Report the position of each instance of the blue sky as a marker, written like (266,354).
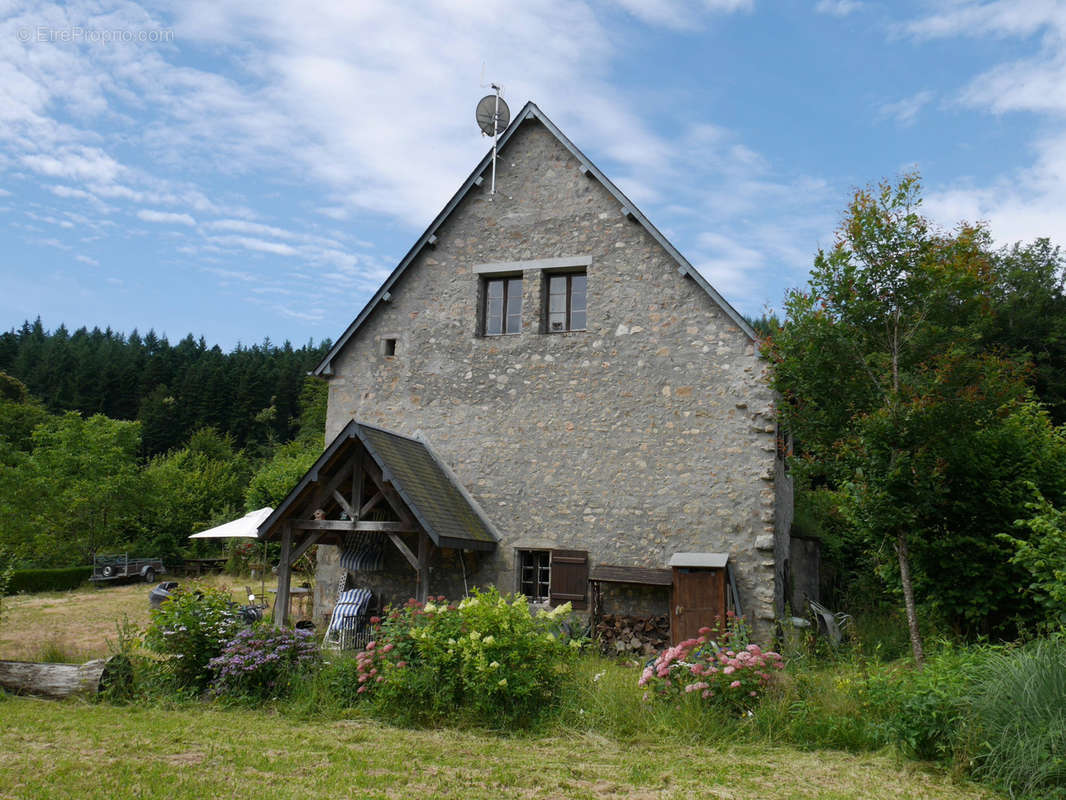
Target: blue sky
(248,169)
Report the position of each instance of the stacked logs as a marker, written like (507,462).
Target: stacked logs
(621,635)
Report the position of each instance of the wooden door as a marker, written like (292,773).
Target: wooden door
(699,600)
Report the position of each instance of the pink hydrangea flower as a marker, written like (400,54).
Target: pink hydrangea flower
(734,685)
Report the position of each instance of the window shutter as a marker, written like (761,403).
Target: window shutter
(570,578)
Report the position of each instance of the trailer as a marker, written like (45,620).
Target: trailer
(119,566)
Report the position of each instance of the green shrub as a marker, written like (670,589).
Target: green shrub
(48,580)
(1018,720)
(263,662)
(486,660)
(191,628)
(925,711)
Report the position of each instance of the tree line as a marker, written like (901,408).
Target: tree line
(111,442)
(249,394)
(922,377)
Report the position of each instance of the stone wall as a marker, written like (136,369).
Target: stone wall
(650,433)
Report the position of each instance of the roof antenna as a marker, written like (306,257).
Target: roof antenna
(492,115)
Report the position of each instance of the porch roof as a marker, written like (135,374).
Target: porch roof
(429,489)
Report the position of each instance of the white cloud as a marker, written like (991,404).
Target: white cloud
(1029,202)
(258,245)
(244,226)
(905,111)
(1001,18)
(165,217)
(680,14)
(377,125)
(837,8)
(87,260)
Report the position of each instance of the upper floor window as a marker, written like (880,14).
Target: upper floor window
(503,306)
(566,302)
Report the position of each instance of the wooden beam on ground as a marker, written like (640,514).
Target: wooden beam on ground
(60,680)
(304,546)
(281,599)
(412,559)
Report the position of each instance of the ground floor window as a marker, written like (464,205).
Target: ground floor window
(534,574)
(554,576)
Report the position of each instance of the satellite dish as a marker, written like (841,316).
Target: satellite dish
(486,114)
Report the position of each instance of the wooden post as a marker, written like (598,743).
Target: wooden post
(423,567)
(281,600)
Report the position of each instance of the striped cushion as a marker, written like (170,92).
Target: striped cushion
(364,552)
(350,606)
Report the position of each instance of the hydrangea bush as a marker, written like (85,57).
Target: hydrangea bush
(191,628)
(263,662)
(486,658)
(728,672)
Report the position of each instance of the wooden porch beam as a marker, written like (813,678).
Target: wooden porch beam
(323,493)
(424,546)
(369,504)
(304,546)
(362,526)
(403,548)
(391,495)
(357,490)
(281,599)
(344,504)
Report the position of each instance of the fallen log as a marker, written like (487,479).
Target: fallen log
(61,680)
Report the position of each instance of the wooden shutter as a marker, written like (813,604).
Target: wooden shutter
(570,578)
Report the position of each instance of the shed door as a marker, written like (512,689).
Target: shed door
(699,600)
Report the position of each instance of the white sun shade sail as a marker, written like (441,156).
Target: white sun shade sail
(246,527)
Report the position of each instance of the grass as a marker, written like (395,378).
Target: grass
(76,626)
(66,750)
(605,742)
(1019,720)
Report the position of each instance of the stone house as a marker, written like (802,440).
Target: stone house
(546,396)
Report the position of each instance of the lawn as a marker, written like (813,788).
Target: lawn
(80,750)
(93,750)
(76,626)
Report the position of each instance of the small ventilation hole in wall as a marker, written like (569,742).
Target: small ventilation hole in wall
(388,347)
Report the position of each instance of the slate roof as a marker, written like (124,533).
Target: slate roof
(428,237)
(433,494)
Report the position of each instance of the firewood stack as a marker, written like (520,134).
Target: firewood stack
(621,635)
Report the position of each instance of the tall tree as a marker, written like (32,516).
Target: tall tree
(882,374)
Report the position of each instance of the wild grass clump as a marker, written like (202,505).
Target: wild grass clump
(1017,730)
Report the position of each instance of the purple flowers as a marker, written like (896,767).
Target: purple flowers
(260,662)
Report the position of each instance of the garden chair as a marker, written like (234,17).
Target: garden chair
(349,626)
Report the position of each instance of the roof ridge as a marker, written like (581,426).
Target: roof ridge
(529,110)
